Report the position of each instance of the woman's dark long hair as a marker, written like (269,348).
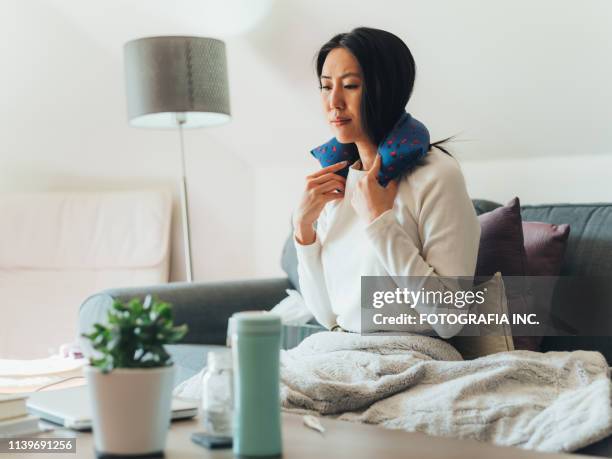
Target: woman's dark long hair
(389,72)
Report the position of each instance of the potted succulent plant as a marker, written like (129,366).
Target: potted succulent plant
(130,377)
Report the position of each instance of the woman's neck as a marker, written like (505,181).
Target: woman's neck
(367,153)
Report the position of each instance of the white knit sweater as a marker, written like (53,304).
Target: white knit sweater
(432,230)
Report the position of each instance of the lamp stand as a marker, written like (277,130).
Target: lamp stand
(180,120)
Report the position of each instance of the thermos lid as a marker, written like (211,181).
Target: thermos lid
(256,322)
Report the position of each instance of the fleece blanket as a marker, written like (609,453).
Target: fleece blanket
(555,401)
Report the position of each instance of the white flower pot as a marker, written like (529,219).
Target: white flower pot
(131,409)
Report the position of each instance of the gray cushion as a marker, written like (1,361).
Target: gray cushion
(289,262)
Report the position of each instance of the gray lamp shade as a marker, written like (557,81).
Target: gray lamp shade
(166,76)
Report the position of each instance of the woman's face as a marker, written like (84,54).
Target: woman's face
(341,89)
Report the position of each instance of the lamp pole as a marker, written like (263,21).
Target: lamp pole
(180,120)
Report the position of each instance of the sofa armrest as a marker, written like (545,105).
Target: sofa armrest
(204,307)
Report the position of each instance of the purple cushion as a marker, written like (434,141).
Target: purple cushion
(518,248)
(501,242)
(502,249)
(545,246)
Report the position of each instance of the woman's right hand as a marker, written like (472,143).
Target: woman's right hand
(320,189)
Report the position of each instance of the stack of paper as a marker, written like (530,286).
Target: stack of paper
(14,418)
(31,375)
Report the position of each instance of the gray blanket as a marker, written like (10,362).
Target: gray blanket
(557,401)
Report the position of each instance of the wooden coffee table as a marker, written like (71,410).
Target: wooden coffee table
(341,440)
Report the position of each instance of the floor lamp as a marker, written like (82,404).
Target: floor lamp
(178,83)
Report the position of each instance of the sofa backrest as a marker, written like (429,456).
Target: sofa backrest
(589,246)
(589,253)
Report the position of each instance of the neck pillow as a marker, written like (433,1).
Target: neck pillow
(400,150)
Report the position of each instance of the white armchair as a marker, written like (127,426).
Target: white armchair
(58,248)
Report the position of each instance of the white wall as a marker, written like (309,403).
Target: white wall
(525,82)
(570,179)
(63,126)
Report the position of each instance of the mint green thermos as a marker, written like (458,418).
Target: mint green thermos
(256,338)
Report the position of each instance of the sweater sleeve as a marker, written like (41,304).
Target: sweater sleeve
(446,244)
(312,279)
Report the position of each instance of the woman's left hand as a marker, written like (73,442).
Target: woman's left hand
(371,199)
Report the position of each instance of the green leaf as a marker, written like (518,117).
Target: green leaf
(134,335)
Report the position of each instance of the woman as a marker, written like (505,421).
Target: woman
(423,224)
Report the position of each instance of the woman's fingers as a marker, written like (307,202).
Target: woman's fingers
(329,186)
(375,169)
(327,177)
(332,196)
(320,188)
(333,168)
(392,187)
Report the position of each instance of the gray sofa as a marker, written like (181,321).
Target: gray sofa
(206,307)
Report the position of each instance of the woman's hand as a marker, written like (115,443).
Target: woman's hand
(370,199)
(320,189)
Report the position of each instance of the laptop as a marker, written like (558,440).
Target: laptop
(70,407)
